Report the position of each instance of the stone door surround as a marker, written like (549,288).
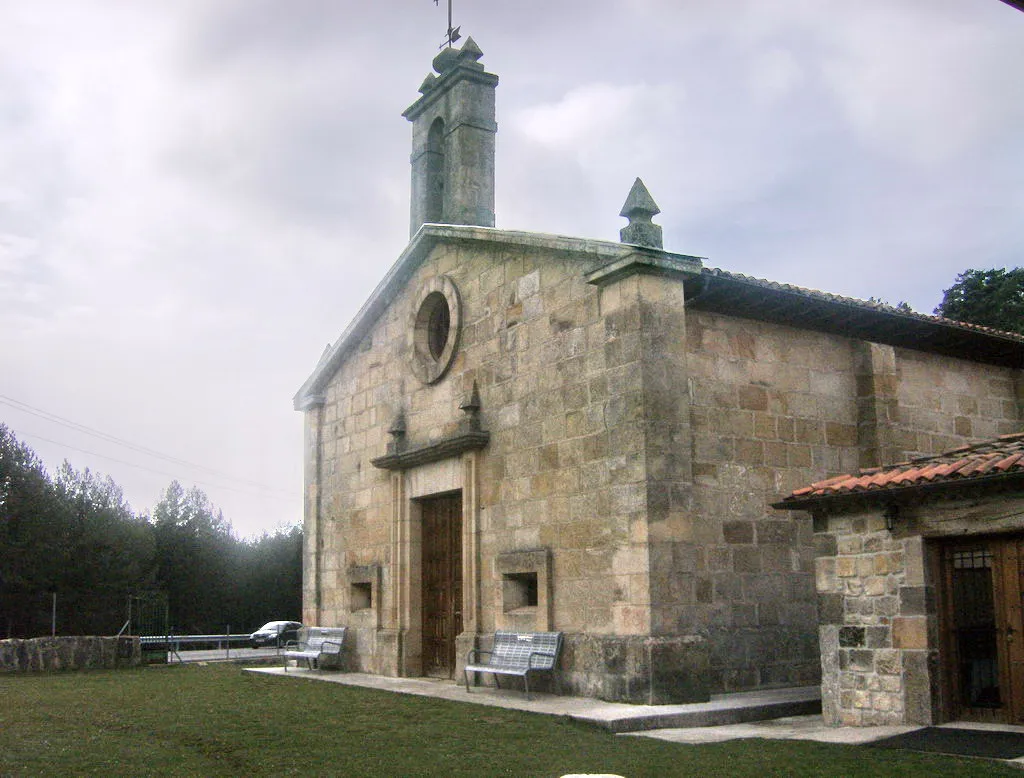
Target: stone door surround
(405,606)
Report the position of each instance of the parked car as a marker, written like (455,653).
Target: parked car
(275,633)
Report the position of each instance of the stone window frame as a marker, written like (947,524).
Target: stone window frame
(518,563)
(361,577)
(427,367)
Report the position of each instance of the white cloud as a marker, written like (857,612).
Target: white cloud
(922,87)
(775,74)
(591,114)
(196,196)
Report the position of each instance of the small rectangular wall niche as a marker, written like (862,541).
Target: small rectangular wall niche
(364,590)
(361,596)
(519,590)
(522,590)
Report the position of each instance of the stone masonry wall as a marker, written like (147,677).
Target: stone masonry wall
(643,473)
(877,643)
(878,607)
(561,393)
(772,408)
(68,653)
(945,403)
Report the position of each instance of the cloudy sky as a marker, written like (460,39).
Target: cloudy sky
(197,196)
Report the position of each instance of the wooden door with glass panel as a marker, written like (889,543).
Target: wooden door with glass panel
(983,637)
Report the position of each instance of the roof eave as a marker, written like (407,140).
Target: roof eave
(805,309)
(901,495)
(310,393)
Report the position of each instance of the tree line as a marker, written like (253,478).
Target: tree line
(72,539)
(991,298)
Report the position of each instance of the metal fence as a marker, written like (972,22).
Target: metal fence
(33,614)
(178,648)
(145,614)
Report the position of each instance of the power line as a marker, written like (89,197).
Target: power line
(149,469)
(52,417)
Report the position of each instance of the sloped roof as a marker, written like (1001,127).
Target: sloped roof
(991,464)
(429,235)
(709,289)
(735,294)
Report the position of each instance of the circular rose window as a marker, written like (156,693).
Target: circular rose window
(437,320)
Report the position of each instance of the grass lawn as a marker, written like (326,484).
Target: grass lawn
(220,720)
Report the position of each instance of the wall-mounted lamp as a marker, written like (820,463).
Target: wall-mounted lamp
(891,513)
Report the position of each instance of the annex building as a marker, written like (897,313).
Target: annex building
(540,432)
(919,577)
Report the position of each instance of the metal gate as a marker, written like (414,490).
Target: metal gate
(148,615)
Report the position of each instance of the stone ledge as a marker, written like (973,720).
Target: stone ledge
(433,452)
(648,262)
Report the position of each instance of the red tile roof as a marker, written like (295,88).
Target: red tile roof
(967,465)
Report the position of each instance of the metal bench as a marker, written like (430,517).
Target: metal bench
(316,645)
(516,653)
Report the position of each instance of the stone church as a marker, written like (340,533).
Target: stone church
(538,432)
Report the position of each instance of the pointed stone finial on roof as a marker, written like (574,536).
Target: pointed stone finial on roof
(470,51)
(639,208)
(467,56)
(639,201)
(428,83)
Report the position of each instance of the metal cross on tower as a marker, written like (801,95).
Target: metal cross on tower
(453,32)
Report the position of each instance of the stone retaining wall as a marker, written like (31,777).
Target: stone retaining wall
(68,653)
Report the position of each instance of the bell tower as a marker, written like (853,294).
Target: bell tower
(453,131)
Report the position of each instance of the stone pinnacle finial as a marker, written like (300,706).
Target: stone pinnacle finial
(397,430)
(471,407)
(470,50)
(446,60)
(468,57)
(639,208)
(428,83)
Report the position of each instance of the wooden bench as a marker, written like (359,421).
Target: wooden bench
(316,645)
(516,653)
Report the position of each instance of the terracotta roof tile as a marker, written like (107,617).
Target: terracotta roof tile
(1002,455)
(1010,461)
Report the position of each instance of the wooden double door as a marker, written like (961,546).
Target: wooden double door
(442,582)
(983,633)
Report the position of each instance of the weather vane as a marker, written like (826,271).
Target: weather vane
(453,32)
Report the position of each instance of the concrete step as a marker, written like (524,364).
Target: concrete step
(736,708)
(721,709)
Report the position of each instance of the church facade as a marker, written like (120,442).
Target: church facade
(537,432)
